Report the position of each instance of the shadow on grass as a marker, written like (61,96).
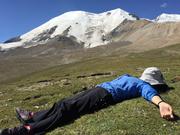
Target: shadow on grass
(162,88)
(176,118)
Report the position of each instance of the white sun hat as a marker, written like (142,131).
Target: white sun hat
(153,76)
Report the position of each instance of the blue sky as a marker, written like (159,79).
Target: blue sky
(20,16)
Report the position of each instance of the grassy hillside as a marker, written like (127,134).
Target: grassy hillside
(40,90)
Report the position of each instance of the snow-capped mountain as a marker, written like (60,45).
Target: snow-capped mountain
(91,30)
(86,28)
(168,18)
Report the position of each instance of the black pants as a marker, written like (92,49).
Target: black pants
(69,109)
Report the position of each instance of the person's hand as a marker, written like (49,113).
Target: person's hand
(166,111)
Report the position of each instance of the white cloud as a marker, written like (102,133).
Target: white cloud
(164,5)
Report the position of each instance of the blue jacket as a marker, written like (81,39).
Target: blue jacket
(127,87)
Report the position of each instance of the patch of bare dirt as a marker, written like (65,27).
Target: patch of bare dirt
(176,79)
(96,75)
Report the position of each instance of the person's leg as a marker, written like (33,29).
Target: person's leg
(40,115)
(40,122)
(71,108)
(29,117)
(42,125)
(20,130)
(93,100)
(25,116)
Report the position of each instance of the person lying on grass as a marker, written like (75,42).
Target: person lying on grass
(104,94)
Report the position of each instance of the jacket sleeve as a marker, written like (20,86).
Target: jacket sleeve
(148,92)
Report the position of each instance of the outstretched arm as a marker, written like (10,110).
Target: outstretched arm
(165,109)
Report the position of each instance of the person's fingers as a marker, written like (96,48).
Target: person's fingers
(167,117)
(172,116)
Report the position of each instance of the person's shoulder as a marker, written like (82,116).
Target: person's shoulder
(145,84)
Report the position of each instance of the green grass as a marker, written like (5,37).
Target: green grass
(131,117)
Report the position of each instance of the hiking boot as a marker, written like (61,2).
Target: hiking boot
(21,130)
(24,116)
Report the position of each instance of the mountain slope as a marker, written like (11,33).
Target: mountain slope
(146,35)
